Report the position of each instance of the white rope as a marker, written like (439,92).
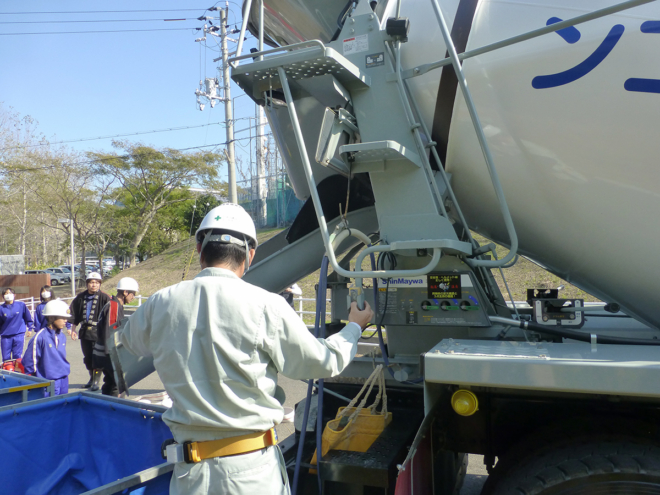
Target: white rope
(371,381)
(376,376)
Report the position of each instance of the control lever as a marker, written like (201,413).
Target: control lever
(355,294)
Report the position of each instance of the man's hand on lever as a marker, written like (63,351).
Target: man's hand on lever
(361,317)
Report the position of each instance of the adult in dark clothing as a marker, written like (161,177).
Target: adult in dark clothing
(85,310)
(111,314)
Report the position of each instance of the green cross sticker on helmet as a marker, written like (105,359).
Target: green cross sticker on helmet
(229,218)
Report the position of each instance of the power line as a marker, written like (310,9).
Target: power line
(88,32)
(97,20)
(128,155)
(114,136)
(87,162)
(105,11)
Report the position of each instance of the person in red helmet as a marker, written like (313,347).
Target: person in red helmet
(111,314)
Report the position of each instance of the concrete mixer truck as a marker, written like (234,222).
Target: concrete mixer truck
(408,125)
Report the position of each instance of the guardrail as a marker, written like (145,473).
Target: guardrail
(300,305)
(33,302)
(300,300)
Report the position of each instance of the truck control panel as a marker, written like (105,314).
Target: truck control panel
(439,298)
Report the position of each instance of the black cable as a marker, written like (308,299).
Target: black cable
(583,337)
(392,261)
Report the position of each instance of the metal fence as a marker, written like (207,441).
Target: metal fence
(269,200)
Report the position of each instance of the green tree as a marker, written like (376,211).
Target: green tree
(194,211)
(151,177)
(71,190)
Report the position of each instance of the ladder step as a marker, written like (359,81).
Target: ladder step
(377,153)
(260,76)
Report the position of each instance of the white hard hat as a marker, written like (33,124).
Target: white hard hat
(94,276)
(231,218)
(57,308)
(128,283)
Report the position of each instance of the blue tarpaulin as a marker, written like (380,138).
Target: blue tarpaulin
(12,385)
(74,443)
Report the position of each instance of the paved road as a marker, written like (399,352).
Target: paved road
(295,392)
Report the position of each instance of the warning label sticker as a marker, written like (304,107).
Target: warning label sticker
(356,44)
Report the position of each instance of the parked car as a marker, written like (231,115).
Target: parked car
(55,278)
(60,271)
(67,270)
(88,269)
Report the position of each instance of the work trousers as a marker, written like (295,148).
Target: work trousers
(12,346)
(258,473)
(109,384)
(87,347)
(60,387)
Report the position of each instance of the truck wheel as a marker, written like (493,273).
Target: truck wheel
(595,468)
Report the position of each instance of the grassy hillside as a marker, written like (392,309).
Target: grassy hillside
(168,269)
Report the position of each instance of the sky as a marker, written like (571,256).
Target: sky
(79,85)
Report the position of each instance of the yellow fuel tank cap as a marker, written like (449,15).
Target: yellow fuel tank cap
(464,402)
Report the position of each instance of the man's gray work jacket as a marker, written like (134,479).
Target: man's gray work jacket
(218,343)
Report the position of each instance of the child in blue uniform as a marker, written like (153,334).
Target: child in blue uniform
(14,318)
(40,321)
(45,295)
(45,355)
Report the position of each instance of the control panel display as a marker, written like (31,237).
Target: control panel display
(444,286)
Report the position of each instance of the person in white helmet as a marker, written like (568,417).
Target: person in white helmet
(85,310)
(45,354)
(111,314)
(218,344)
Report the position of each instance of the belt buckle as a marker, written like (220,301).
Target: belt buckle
(272,436)
(190,454)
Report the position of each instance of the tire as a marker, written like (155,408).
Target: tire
(54,282)
(606,467)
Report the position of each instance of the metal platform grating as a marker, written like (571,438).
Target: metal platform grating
(306,63)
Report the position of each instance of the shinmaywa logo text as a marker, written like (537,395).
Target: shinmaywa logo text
(403,281)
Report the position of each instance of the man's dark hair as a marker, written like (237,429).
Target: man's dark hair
(122,292)
(217,253)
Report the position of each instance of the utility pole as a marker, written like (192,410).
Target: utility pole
(229,114)
(262,188)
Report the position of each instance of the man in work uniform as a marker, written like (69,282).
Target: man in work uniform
(218,344)
(85,310)
(112,313)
